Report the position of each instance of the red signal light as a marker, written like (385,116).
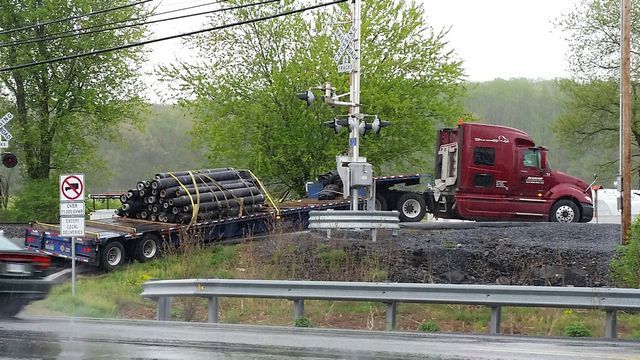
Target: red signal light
(9,160)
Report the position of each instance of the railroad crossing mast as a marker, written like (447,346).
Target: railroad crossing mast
(353,169)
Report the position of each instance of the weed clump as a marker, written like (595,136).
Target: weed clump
(302,322)
(625,265)
(577,329)
(429,326)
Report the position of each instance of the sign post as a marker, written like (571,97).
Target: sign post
(72,215)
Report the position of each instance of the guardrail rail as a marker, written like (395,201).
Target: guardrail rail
(609,300)
(329,220)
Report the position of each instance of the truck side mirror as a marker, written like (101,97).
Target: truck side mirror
(543,161)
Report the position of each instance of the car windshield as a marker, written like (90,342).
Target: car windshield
(6,244)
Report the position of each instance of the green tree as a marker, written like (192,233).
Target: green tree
(589,127)
(62,108)
(243,99)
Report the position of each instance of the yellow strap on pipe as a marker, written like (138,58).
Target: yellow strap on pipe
(188,193)
(196,209)
(266,193)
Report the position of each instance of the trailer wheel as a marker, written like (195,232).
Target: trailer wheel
(412,207)
(381,203)
(564,211)
(147,248)
(113,256)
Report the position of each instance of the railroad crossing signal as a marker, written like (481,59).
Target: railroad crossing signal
(4,133)
(9,160)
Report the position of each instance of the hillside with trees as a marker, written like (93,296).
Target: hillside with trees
(163,143)
(535,106)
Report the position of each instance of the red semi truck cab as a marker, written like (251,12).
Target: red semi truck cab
(492,172)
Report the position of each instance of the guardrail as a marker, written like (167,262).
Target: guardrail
(609,300)
(358,220)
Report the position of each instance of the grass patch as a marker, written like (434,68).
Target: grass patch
(117,294)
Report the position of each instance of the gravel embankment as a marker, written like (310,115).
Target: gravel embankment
(524,254)
(485,253)
(13,230)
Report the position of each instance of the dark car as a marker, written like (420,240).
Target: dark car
(22,277)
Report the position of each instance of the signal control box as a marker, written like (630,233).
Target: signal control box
(361,174)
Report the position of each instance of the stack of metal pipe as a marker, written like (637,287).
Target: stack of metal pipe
(195,195)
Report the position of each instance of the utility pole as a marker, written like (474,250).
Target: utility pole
(354,136)
(625,118)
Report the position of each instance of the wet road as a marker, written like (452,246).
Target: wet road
(67,338)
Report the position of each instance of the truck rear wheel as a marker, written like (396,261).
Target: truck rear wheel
(147,248)
(113,256)
(564,211)
(412,207)
(381,203)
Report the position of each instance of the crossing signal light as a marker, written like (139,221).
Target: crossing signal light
(378,124)
(9,160)
(306,96)
(337,124)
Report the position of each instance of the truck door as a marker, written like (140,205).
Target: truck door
(485,184)
(533,183)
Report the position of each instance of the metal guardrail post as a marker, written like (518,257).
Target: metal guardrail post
(496,314)
(164,308)
(212,315)
(390,323)
(298,308)
(610,325)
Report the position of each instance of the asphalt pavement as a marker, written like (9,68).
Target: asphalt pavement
(73,338)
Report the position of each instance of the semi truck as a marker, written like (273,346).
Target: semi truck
(491,172)
(482,172)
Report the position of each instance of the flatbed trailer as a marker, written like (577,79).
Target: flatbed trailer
(110,242)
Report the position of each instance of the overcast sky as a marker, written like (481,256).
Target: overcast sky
(504,38)
(493,38)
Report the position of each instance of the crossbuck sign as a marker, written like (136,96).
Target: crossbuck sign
(345,55)
(4,134)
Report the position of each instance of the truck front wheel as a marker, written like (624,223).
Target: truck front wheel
(147,248)
(113,256)
(412,207)
(564,211)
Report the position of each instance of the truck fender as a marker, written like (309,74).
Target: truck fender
(564,191)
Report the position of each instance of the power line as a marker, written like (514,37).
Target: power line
(53,37)
(73,17)
(127,46)
(75,31)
